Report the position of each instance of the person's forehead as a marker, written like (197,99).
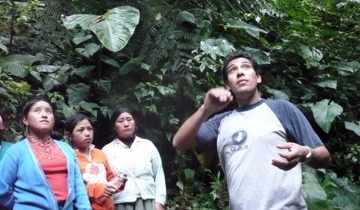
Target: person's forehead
(124,115)
(239,60)
(42,104)
(83,122)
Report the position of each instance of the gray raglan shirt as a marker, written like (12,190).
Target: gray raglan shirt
(246,140)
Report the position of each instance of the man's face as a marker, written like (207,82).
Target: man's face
(242,78)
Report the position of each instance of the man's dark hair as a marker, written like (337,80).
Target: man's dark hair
(239,54)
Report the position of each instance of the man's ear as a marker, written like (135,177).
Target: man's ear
(259,79)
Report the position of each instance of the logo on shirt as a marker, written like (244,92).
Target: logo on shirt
(239,137)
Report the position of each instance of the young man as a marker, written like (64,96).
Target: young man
(260,143)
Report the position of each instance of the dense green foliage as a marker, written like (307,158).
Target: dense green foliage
(159,58)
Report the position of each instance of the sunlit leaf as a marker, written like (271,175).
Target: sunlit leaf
(328,84)
(353,126)
(325,112)
(113,29)
(88,50)
(239,24)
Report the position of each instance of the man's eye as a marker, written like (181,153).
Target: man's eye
(246,67)
(232,70)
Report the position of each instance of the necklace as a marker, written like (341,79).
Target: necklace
(43,149)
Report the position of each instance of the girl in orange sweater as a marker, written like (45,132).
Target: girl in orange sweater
(95,169)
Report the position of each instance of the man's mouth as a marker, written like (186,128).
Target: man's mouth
(241,81)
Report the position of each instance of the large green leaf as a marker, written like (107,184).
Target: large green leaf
(81,37)
(4,48)
(239,24)
(309,53)
(47,68)
(325,112)
(328,83)
(77,93)
(342,192)
(88,50)
(83,20)
(164,90)
(276,94)
(84,71)
(312,191)
(103,84)
(18,64)
(260,56)
(67,110)
(353,127)
(113,29)
(346,68)
(52,80)
(216,47)
(90,107)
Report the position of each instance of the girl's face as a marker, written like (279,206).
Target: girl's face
(124,125)
(40,118)
(82,135)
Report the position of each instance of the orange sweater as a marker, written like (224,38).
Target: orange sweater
(96,173)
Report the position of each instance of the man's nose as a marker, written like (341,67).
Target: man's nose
(240,72)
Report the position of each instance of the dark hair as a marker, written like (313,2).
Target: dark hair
(239,54)
(70,122)
(118,111)
(29,104)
